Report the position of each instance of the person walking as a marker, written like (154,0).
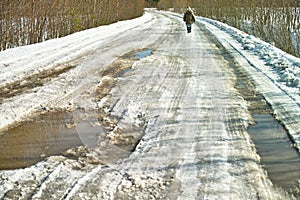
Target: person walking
(189,19)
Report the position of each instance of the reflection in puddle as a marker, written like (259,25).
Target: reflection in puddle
(87,127)
(142,54)
(280,159)
(50,134)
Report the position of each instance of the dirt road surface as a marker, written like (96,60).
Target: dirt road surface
(169,122)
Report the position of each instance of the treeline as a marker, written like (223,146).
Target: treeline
(274,21)
(24,22)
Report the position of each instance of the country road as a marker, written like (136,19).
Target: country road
(166,118)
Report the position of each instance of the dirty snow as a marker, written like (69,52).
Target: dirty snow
(20,64)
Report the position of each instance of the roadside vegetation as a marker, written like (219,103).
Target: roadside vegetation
(274,21)
(24,22)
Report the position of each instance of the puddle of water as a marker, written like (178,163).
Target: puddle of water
(280,159)
(50,134)
(142,54)
(123,72)
(88,127)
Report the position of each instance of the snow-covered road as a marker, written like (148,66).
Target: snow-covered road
(184,123)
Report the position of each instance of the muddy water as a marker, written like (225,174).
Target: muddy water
(32,141)
(280,158)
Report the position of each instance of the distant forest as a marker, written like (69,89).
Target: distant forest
(274,21)
(24,22)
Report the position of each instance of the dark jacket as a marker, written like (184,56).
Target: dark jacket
(188,17)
